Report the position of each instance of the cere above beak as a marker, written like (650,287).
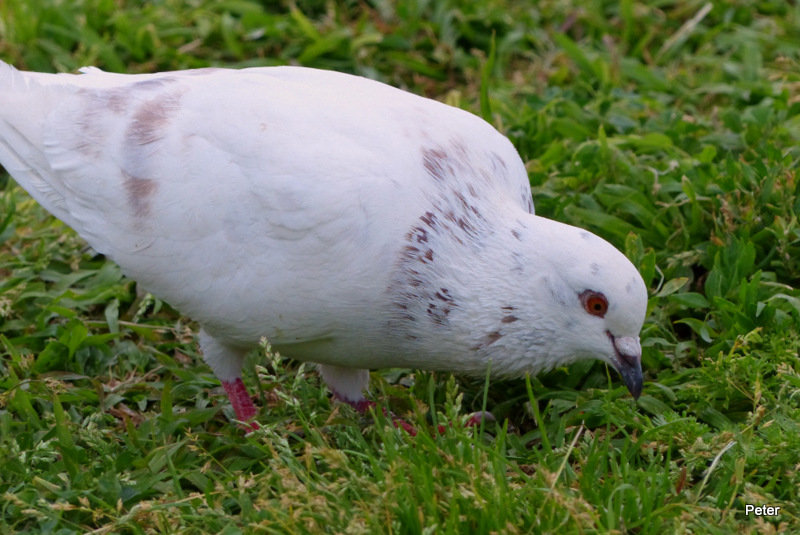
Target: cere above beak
(628,363)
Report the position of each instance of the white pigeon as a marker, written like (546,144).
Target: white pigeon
(352,224)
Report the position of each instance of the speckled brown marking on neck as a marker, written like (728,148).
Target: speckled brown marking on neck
(488,340)
(466,185)
(436,163)
(439,311)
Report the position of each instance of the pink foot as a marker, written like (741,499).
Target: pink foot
(473,420)
(240,399)
(477,417)
(362,406)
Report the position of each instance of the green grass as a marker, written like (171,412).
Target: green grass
(670,128)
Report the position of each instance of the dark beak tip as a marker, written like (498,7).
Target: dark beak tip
(632,377)
(628,362)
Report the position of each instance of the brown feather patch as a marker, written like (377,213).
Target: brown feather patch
(139,193)
(151,118)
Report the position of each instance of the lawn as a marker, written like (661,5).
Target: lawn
(672,129)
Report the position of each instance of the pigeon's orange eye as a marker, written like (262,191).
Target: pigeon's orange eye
(594,303)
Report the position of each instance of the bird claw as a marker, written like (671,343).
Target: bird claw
(249,427)
(362,406)
(479,417)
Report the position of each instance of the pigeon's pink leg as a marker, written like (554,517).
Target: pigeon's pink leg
(226,362)
(240,399)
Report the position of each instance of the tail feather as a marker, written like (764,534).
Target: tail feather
(23,109)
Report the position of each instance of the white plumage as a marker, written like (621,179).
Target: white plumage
(351,223)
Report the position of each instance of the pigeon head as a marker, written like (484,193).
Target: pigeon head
(527,294)
(590,299)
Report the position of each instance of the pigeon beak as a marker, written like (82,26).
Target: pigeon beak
(628,362)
